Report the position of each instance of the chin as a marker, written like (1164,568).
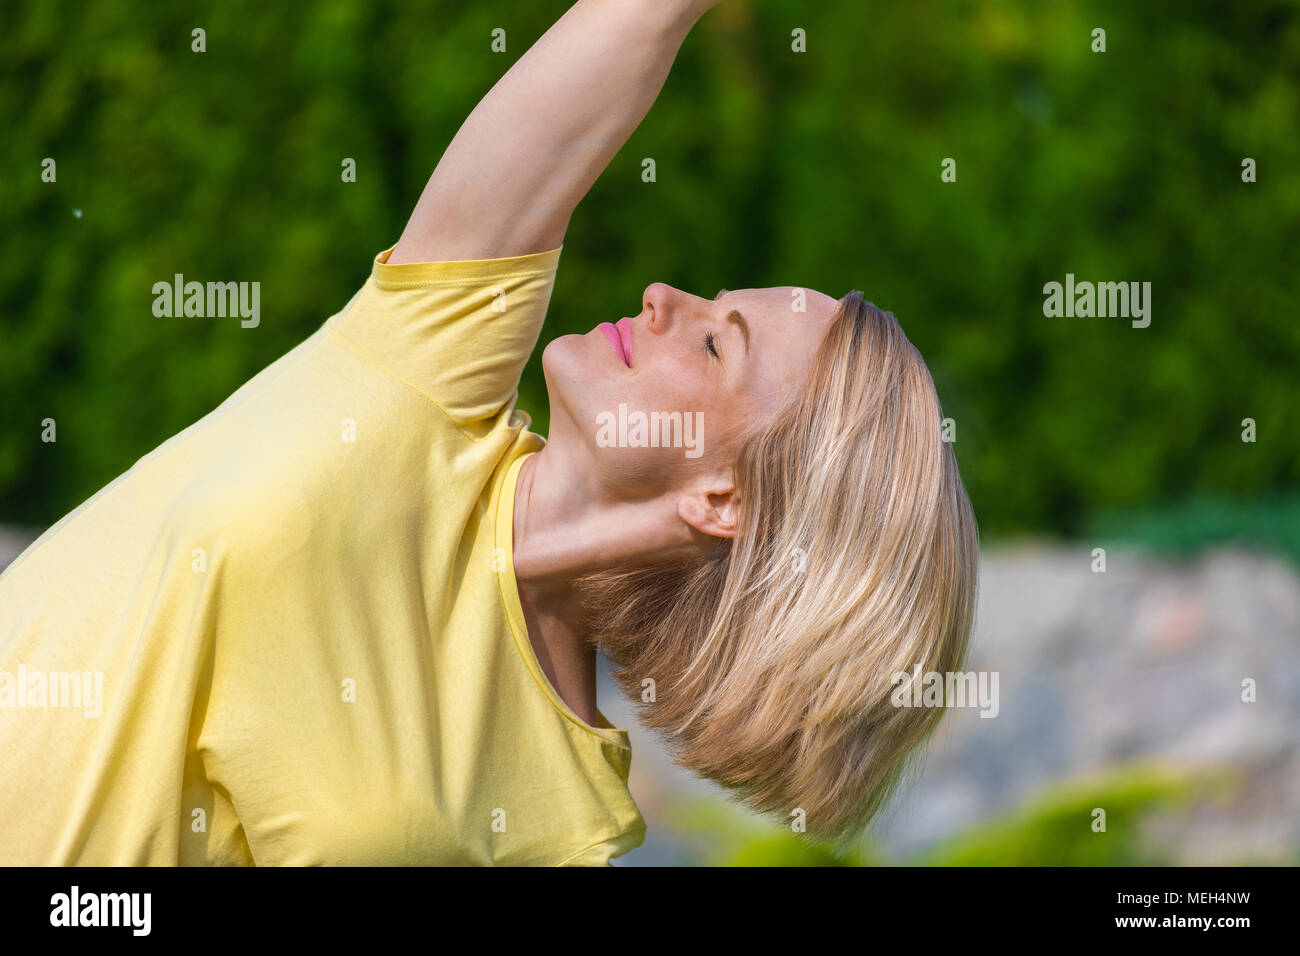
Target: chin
(566,366)
(563,364)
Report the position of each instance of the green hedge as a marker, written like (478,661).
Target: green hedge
(774,167)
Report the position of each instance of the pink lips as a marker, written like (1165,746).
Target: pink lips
(619,338)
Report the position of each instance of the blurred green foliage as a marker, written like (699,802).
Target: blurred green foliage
(819,169)
(1054,828)
(1270,523)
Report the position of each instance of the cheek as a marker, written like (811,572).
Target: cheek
(656,428)
(675,382)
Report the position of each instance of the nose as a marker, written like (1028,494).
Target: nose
(659,302)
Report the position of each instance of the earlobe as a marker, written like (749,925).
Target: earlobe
(713,514)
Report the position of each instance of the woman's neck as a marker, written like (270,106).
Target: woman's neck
(566,526)
(563,528)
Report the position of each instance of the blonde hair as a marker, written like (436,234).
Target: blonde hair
(855,558)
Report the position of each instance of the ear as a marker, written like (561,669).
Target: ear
(712,512)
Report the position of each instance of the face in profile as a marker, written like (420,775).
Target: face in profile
(701,371)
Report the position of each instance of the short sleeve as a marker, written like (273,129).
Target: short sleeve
(460,332)
(600,854)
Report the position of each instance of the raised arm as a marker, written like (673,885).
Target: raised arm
(531,149)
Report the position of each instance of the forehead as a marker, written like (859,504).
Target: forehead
(787,323)
(794,300)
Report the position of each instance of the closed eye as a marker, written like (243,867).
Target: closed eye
(709,344)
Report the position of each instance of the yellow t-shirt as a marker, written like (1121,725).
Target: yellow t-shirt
(303,618)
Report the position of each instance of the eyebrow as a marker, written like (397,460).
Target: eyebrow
(735,316)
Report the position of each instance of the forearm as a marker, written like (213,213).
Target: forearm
(533,146)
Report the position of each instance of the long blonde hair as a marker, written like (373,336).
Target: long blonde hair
(773,661)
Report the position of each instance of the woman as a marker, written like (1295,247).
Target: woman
(351,615)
